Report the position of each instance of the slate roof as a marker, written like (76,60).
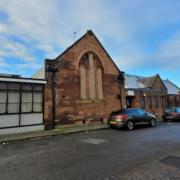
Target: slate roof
(138,82)
(171,87)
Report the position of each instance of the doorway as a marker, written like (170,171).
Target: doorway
(129,101)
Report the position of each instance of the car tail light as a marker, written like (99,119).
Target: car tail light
(174,113)
(122,116)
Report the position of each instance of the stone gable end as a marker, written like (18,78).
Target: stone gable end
(82,95)
(158,84)
(89,43)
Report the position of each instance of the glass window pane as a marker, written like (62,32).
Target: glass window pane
(13,86)
(3,97)
(3,85)
(37,102)
(27,87)
(37,87)
(26,102)
(13,102)
(142,102)
(2,108)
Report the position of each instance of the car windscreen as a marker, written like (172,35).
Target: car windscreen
(115,112)
(130,112)
(169,110)
(119,112)
(178,110)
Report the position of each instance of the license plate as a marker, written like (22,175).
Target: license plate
(113,123)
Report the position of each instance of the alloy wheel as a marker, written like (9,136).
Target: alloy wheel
(153,123)
(130,125)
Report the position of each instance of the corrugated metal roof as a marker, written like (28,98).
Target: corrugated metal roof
(171,87)
(131,82)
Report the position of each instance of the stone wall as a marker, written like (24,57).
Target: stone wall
(69,107)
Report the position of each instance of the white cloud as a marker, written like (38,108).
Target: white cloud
(49,26)
(9,48)
(3,64)
(169,53)
(52,23)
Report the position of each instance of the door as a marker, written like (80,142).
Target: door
(129,101)
(136,115)
(143,116)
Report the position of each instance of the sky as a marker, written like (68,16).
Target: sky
(141,36)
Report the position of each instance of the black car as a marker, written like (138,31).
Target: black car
(131,117)
(172,114)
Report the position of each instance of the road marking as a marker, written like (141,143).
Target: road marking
(94,141)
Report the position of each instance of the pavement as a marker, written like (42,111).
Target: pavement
(65,129)
(142,154)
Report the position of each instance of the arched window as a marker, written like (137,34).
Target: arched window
(99,84)
(83,87)
(91,75)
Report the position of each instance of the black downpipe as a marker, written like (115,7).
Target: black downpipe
(53,100)
(53,71)
(121,80)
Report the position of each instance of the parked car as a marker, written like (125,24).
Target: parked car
(131,117)
(172,114)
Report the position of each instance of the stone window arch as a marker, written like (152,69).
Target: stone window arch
(91,77)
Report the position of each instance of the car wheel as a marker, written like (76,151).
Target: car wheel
(152,122)
(112,127)
(130,125)
(164,120)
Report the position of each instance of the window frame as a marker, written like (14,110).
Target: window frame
(5,103)
(10,103)
(20,91)
(91,91)
(143,102)
(156,101)
(150,101)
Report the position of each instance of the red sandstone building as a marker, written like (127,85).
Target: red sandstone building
(83,84)
(148,93)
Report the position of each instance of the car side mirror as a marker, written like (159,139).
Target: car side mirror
(145,113)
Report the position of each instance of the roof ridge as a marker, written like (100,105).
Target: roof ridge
(167,80)
(90,32)
(137,76)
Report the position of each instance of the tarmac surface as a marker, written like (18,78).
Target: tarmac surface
(110,154)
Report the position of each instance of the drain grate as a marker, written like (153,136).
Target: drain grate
(94,141)
(172,161)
